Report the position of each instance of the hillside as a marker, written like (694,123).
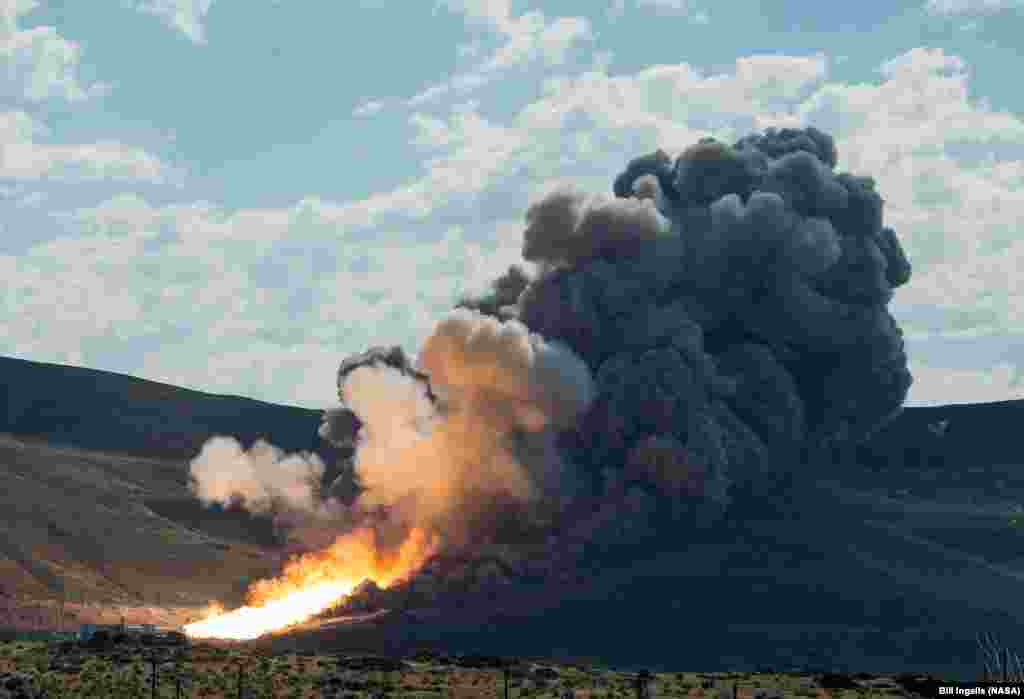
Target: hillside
(101,410)
(908,546)
(94,496)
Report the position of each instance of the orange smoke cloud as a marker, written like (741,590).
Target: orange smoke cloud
(501,392)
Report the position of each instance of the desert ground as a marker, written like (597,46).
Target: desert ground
(212,671)
(893,577)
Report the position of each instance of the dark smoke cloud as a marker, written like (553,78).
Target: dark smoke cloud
(784,268)
(568,226)
(719,317)
(500,301)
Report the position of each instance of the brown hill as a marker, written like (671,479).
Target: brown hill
(93,527)
(891,562)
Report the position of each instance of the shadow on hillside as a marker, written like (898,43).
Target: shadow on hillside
(232,524)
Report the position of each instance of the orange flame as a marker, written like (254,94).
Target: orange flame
(314,582)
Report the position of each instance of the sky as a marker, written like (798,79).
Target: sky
(233,195)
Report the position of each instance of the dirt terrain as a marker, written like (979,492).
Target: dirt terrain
(883,571)
(866,574)
(77,521)
(212,671)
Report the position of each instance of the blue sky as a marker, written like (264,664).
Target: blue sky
(232,195)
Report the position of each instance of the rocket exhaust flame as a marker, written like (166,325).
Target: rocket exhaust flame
(250,622)
(316,581)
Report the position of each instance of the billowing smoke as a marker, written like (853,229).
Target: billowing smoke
(480,442)
(690,338)
(264,480)
(260,479)
(568,226)
(757,328)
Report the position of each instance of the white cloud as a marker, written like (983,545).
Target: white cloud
(661,7)
(944,385)
(278,295)
(672,106)
(262,302)
(532,36)
(38,63)
(496,14)
(368,108)
(292,373)
(951,169)
(470,50)
(31,200)
(679,7)
(186,16)
(430,131)
(961,7)
(428,95)
(10,10)
(951,172)
(675,5)
(475,155)
(23,157)
(526,38)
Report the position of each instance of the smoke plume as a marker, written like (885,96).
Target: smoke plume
(484,436)
(260,479)
(722,315)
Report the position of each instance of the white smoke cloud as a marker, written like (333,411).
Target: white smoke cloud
(261,478)
(449,457)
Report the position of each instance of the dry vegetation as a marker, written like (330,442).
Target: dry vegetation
(79,522)
(211,671)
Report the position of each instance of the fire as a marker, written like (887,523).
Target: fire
(314,582)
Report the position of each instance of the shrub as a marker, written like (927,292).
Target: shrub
(998,662)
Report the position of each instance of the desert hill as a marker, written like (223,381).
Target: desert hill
(892,561)
(94,495)
(101,410)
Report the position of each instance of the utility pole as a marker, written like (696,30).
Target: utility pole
(641,684)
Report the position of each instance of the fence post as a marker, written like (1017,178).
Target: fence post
(152,659)
(642,678)
(507,672)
